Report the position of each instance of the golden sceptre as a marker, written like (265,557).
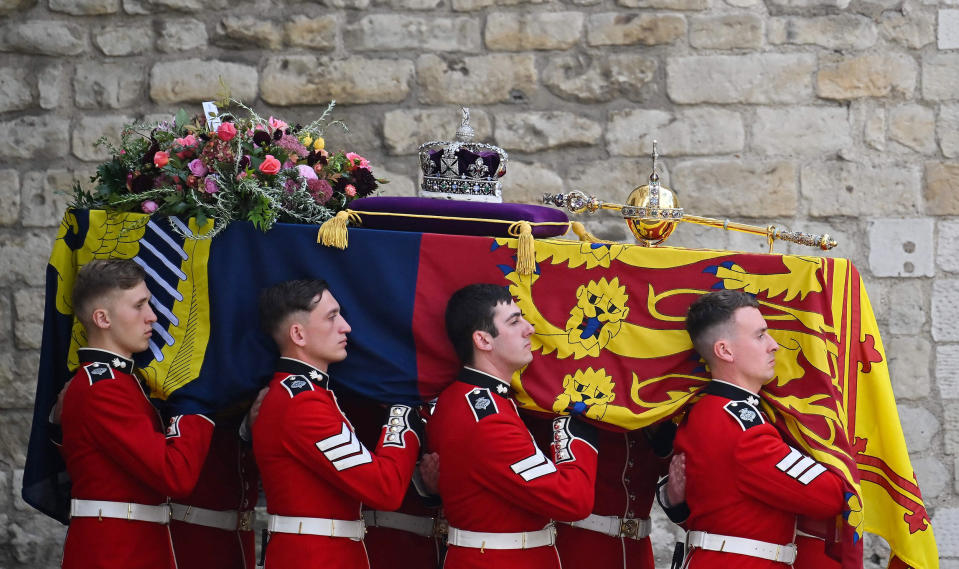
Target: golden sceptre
(652,212)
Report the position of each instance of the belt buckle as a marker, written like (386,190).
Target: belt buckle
(244,520)
(629,527)
(441,527)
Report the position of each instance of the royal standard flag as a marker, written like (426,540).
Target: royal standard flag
(610,341)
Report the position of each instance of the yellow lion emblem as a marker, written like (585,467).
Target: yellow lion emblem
(586,392)
(598,314)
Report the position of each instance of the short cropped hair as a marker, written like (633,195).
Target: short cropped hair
(708,313)
(283,299)
(100,277)
(471,309)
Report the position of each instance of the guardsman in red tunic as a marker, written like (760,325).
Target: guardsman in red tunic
(212,528)
(316,473)
(745,486)
(122,461)
(500,492)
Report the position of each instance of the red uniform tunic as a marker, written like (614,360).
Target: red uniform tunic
(116,450)
(743,480)
(625,487)
(228,482)
(493,477)
(299,417)
(384,543)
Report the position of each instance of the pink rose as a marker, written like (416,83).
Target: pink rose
(277,124)
(226,131)
(188,140)
(357,161)
(161,158)
(210,184)
(306,172)
(149,206)
(350,190)
(270,165)
(197,167)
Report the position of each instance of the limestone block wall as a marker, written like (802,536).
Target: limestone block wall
(823,115)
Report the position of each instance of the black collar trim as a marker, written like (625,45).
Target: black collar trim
(297,367)
(115,361)
(728,390)
(481,379)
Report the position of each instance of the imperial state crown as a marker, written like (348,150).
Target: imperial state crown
(462,169)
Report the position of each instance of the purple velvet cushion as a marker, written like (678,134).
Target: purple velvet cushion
(452,208)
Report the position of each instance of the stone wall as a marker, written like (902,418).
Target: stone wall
(823,115)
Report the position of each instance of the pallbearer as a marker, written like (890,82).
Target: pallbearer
(123,462)
(316,473)
(499,490)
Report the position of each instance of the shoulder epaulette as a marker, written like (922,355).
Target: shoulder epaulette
(746,415)
(296,384)
(481,402)
(98,371)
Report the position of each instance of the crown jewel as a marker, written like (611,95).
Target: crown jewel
(462,169)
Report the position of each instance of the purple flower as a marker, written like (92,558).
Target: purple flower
(320,190)
(149,206)
(306,172)
(291,145)
(210,185)
(261,138)
(197,167)
(364,181)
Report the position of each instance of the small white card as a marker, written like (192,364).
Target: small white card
(212,115)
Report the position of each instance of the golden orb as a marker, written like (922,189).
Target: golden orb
(656,199)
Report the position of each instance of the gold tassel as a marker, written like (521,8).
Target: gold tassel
(333,231)
(525,248)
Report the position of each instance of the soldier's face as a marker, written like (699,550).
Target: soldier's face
(512,342)
(325,332)
(130,319)
(753,348)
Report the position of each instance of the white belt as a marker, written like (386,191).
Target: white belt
(420,525)
(613,526)
(121,510)
(229,520)
(741,545)
(353,529)
(488,540)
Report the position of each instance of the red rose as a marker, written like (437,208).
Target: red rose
(270,165)
(226,131)
(161,158)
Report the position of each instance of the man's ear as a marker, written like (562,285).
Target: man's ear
(722,350)
(297,334)
(482,340)
(101,318)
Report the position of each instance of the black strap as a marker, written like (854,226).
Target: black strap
(679,553)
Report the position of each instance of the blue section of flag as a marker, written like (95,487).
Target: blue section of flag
(374,280)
